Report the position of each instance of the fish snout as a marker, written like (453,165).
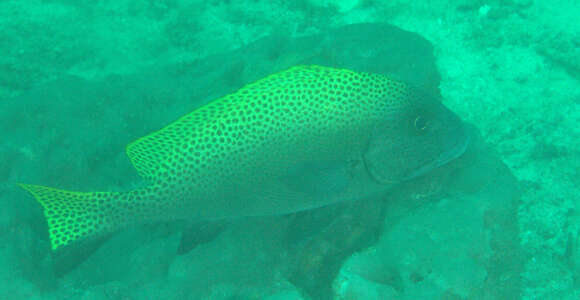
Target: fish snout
(450,137)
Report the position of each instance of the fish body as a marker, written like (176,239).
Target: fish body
(298,139)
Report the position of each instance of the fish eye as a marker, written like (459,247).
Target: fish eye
(420,123)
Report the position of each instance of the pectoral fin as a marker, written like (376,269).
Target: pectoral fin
(318,178)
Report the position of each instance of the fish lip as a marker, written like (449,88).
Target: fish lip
(456,151)
(444,157)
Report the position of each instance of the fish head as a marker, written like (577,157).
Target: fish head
(416,135)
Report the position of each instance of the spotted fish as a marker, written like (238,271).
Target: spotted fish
(299,139)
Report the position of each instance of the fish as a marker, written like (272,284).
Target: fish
(299,139)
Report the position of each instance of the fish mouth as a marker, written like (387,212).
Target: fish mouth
(456,151)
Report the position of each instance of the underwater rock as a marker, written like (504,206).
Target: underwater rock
(55,122)
(286,295)
(562,49)
(342,6)
(327,238)
(109,291)
(60,126)
(463,243)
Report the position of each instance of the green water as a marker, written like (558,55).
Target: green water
(79,80)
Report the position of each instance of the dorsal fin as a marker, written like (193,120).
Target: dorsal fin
(161,150)
(146,154)
(153,153)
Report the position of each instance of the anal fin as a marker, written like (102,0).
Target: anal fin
(198,233)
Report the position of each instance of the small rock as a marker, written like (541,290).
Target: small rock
(285,295)
(522,3)
(469,5)
(342,6)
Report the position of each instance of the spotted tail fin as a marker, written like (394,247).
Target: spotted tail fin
(73,216)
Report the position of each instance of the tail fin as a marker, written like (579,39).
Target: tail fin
(72,216)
